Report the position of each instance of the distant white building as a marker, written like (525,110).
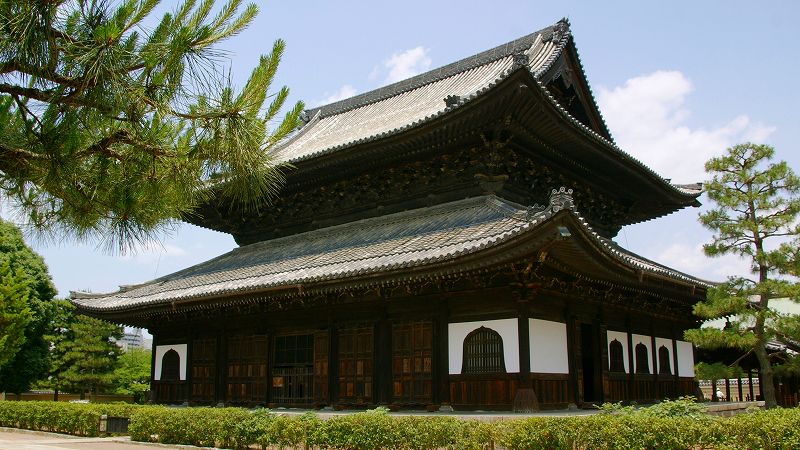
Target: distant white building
(133,338)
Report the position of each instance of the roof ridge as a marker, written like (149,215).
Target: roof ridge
(479,59)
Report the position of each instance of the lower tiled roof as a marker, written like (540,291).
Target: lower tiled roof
(414,238)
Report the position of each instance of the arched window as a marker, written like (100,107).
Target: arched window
(616,357)
(171,366)
(483,352)
(664,366)
(642,364)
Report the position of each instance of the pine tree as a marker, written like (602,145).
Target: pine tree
(115,125)
(757,204)
(84,353)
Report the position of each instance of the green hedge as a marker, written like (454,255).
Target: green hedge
(671,425)
(79,419)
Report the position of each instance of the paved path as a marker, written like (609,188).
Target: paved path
(13,439)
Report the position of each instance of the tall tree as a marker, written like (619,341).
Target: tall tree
(84,353)
(756,213)
(14,312)
(114,124)
(31,360)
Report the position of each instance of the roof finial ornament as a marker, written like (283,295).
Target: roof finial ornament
(520,60)
(452,100)
(304,116)
(560,198)
(560,30)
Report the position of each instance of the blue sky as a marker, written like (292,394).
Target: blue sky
(677,82)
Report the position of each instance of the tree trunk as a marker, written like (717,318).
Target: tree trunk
(714,397)
(767,380)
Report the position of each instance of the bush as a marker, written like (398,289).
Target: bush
(670,425)
(772,429)
(78,419)
(202,427)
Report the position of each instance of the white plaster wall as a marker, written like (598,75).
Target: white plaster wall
(668,344)
(506,328)
(637,339)
(622,337)
(548,346)
(161,350)
(685,359)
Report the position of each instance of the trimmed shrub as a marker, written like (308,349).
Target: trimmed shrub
(78,419)
(671,425)
(202,426)
(772,429)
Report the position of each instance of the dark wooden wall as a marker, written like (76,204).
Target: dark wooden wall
(394,351)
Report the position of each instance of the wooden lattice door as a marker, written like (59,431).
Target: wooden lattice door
(412,350)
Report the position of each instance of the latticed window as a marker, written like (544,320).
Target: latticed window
(293,370)
(664,366)
(171,366)
(483,352)
(616,357)
(642,364)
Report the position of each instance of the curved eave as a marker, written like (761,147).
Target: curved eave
(611,152)
(572,50)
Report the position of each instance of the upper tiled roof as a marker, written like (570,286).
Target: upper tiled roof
(414,238)
(407,103)
(392,109)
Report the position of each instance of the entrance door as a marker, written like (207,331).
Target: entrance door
(412,350)
(355,365)
(293,371)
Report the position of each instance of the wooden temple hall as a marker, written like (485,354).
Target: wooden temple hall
(442,241)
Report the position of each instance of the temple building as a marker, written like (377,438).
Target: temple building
(444,241)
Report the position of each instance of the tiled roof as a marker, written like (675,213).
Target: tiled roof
(410,102)
(415,238)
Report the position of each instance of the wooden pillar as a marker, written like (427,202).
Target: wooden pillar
(739,386)
(333,364)
(523,327)
(750,384)
(603,357)
(654,363)
(270,344)
(571,354)
(382,374)
(676,379)
(631,363)
(189,352)
(153,382)
(727,389)
(441,356)
(222,369)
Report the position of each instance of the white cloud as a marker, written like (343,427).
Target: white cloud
(648,118)
(406,64)
(689,258)
(346,91)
